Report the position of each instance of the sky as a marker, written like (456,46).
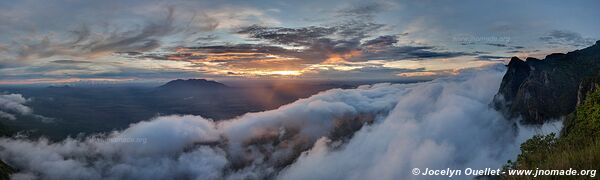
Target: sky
(63,41)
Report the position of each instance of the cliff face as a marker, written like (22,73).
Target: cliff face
(538,90)
(586,87)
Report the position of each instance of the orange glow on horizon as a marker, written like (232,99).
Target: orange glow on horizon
(417,74)
(341,58)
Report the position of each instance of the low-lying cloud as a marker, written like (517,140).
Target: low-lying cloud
(13,104)
(378,131)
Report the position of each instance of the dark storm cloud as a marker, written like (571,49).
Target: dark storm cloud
(563,37)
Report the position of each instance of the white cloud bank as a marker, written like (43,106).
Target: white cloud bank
(372,132)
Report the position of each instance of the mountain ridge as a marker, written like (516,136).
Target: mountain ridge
(541,89)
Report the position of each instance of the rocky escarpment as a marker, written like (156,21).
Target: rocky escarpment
(586,87)
(538,90)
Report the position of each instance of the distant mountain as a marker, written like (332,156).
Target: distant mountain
(59,87)
(538,90)
(191,84)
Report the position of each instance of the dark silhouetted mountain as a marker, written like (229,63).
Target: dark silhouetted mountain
(538,90)
(59,87)
(192,83)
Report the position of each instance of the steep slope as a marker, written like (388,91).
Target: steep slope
(578,145)
(538,90)
(5,169)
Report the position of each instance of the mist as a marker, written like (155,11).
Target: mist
(379,131)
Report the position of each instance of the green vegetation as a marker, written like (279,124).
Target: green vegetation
(578,147)
(5,171)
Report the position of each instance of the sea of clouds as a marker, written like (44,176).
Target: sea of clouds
(379,131)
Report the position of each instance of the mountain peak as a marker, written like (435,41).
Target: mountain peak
(514,61)
(542,89)
(193,83)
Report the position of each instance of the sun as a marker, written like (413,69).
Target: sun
(286,73)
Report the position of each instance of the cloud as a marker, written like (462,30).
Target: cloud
(374,131)
(367,9)
(360,72)
(102,29)
(324,42)
(564,37)
(5,115)
(90,42)
(496,44)
(235,17)
(345,39)
(105,28)
(381,41)
(491,57)
(281,48)
(68,61)
(143,40)
(288,36)
(13,104)
(446,123)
